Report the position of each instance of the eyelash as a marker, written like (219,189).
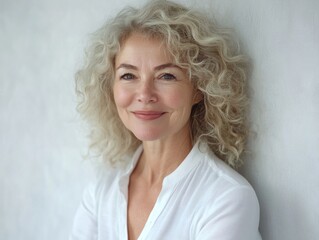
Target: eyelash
(164,76)
(127,76)
(169,75)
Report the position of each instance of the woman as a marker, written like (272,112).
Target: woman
(165,94)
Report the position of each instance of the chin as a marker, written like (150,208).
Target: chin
(147,136)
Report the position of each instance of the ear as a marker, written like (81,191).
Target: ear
(198,96)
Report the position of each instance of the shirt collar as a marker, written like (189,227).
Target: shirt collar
(191,160)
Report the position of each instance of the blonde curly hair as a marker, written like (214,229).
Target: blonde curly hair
(212,59)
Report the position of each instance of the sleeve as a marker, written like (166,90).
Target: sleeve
(233,216)
(85,221)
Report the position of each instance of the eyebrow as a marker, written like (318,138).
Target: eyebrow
(157,68)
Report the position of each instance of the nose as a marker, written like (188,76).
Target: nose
(146,92)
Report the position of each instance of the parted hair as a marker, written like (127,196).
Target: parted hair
(214,64)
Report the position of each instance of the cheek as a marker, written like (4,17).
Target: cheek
(180,99)
(121,96)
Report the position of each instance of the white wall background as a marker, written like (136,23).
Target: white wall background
(42,139)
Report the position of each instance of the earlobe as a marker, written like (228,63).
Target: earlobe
(198,96)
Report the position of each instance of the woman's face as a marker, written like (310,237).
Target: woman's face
(153,96)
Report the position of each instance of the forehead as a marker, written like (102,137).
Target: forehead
(138,45)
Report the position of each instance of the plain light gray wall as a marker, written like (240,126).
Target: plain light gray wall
(42,139)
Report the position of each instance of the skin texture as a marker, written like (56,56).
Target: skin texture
(154,98)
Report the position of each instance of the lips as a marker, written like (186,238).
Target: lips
(148,115)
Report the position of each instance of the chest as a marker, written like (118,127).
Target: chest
(173,211)
(141,201)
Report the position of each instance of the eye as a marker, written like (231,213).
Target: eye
(127,76)
(168,76)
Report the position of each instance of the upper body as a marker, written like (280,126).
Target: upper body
(164,77)
(202,199)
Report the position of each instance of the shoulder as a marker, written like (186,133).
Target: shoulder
(227,200)
(111,178)
(218,172)
(225,183)
(226,188)
(102,180)
(216,182)
(221,183)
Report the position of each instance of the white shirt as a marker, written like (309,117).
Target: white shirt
(202,199)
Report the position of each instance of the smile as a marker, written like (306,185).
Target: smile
(148,115)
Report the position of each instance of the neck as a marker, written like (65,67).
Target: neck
(162,157)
